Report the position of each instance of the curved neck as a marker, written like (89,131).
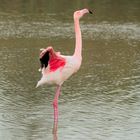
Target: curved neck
(78,43)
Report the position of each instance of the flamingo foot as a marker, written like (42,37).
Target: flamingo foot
(55,137)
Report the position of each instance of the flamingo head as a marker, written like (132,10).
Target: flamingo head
(80,13)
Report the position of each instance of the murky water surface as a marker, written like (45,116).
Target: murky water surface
(100,102)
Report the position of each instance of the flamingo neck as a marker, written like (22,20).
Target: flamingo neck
(78,45)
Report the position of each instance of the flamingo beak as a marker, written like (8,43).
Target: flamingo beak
(90,12)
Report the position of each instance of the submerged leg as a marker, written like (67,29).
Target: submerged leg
(55,106)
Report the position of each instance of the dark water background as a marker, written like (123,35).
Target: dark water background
(100,102)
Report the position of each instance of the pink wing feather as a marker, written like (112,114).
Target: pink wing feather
(49,57)
(56,63)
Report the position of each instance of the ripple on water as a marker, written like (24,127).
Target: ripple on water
(53,28)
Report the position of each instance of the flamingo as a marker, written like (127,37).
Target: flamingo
(57,68)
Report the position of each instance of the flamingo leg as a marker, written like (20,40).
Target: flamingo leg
(55,106)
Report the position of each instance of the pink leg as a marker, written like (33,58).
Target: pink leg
(55,106)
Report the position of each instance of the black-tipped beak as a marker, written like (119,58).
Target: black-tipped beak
(90,12)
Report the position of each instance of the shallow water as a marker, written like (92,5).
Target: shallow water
(101,101)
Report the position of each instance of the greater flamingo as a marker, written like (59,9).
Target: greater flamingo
(57,68)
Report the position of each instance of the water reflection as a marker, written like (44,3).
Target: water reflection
(101,101)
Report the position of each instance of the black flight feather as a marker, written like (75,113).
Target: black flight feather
(44,60)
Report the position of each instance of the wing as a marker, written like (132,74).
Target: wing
(48,57)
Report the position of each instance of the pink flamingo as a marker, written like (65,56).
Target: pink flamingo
(57,68)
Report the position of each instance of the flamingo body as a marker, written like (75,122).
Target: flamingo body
(59,69)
